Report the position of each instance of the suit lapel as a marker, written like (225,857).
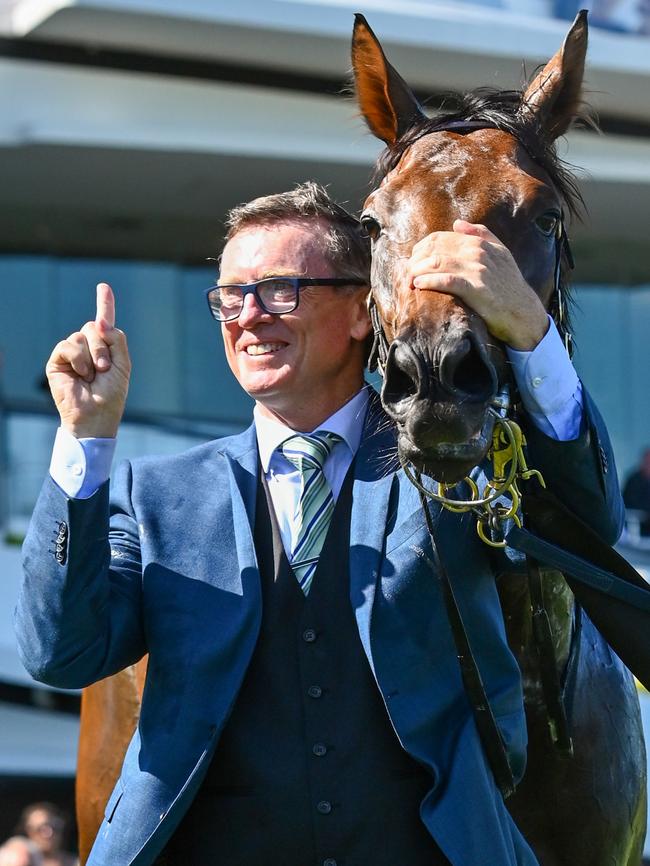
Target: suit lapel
(243,467)
(374,479)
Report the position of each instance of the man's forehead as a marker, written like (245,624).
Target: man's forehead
(306,230)
(274,249)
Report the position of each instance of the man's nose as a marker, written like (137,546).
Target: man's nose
(252,313)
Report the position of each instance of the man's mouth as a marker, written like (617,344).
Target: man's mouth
(264,348)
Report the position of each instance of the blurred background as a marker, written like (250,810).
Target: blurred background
(129,127)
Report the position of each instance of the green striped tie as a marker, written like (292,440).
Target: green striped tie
(308,454)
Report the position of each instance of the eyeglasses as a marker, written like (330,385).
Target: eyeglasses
(276,295)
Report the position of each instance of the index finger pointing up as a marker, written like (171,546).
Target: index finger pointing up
(105,306)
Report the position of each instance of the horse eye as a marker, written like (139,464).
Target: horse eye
(548,222)
(371,227)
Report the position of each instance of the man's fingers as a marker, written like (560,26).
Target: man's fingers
(105,317)
(111,336)
(448,284)
(464,228)
(72,354)
(99,350)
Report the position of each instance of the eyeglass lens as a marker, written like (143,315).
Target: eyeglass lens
(274,295)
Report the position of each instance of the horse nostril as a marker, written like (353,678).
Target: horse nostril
(466,370)
(405,376)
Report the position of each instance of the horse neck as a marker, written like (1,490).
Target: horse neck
(517,613)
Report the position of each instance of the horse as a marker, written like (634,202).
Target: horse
(490,159)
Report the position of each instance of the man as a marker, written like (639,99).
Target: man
(303,701)
(44,825)
(636,491)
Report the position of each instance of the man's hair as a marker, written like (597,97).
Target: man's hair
(344,243)
(41,806)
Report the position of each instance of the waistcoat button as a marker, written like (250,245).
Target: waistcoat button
(324,807)
(309,635)
(314,691)
(319,749)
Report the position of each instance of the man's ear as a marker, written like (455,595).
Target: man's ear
(361,325)
(554,95)
(385,99)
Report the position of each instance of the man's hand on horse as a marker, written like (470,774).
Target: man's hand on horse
(89,373)
(472,264)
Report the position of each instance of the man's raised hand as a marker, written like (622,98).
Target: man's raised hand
(89,373)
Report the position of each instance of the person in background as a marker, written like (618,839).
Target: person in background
(636,493)
(20,851)
(44,824)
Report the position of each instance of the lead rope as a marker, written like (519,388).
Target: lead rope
(488,729)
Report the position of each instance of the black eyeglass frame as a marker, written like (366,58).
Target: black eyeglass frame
(297,283)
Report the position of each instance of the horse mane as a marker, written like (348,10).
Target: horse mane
(504,110)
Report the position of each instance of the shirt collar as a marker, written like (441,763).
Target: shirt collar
(346,421)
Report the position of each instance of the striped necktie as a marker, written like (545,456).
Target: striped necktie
(308,454)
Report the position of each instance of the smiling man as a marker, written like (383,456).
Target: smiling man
(303,703)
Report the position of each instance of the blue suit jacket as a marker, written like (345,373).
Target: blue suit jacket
(176,576)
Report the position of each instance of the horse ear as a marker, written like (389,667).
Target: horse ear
(554,95)
(385,99)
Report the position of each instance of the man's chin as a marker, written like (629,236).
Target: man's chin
(265,387)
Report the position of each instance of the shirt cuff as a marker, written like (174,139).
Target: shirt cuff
(549,386)
(80,466)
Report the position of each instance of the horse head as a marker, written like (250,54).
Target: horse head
(491,161)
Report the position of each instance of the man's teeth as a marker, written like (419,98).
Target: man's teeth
(263,348)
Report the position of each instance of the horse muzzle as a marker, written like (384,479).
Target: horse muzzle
(439,402)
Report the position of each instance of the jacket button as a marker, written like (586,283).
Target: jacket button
(329,862)
(314,691)
(324,807)
(319,749)
(309,635)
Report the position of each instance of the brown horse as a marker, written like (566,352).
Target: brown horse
(492,161)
